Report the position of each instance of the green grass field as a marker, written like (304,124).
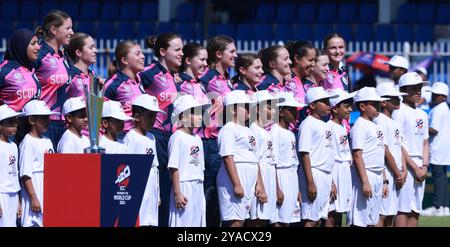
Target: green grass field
(432,221)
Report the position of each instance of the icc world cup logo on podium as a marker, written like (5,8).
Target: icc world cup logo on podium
(94,106)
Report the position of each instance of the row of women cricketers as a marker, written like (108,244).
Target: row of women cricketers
(249,173)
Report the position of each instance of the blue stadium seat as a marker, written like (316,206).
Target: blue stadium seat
(126,30)
(346,13)
(185,12)
(443,14)
(384,32)
(286,12)
(346,30)
(188,30)
(48,6)
(6,29)
(245,31)
(264,31)
(89,10)
(9,9)
(106,29)
(364,32)
(29,10)
(200,12)
(149,11)
(327,13)
(218,28)
(109,11)
(284,32)
(87,27)
(25,24)
(425,13)
(321,31)
(303,32)
(405,33)
(406,13)
(129,10)
(306,13)
(145,29)
(71,8)
(368,13)
(265,12)
(424,33)
(164,27)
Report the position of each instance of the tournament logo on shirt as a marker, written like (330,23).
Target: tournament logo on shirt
(18,77)
(53,63)
(419,123)
(79,84)
(397,136)
(380,138)
(195,150)
(343,140)
(123,173)
(164,84)
(12,165)
(328,138)
(149,151)
(252,142)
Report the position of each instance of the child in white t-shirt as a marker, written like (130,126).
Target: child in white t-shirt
(31,160)
(72,141)
(341,190)
(113,122)
(10,208)
(264,204)
(439,146)
(414,123)
(236,179)
(286,158)
(187,207)
(140,141)
(317,154)
(367,143)
(394,160)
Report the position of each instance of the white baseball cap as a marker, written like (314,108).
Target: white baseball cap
(114,109)
(318,93)
(183,103)
(388,89)
(440,88)
(368,94)
(422,70)
(342,95)
(288,100)
(37,107)
(148,102)
(73,104)
(8,112)
(398,61)
(263,95)
(409,79)
(237,97)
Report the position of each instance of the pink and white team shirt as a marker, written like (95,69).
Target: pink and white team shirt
(52,72)
(270,83)
(18,85)
(120,87)
(217,87)
(190,86)
(159,82)
(78,80)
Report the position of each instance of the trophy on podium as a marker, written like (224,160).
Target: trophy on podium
(94,106)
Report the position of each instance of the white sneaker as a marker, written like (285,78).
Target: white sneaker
(440,211)
(431,211)
(446,211)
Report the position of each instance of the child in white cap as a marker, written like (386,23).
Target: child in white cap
(286,158)
(398,66)
(140,141)
(10,208)
(72,141)
(264,204)
(113,122)
(317,154)
(367,143)
(236,179)
(414,122)
(187,206)
(31,160)
(439,144)
(395,165)
(341,190)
